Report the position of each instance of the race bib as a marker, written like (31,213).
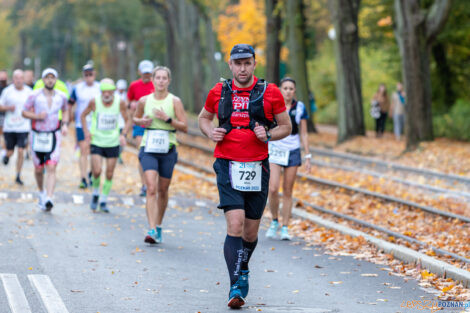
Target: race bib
(158,141)
(106,121)
(245,176)
(43,142)
(278,156)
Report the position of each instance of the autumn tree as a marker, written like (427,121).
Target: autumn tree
(297,52)
(348,89)
(273,44)
(416,29)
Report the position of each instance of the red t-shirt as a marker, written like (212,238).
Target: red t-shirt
(242,144)
(138,89)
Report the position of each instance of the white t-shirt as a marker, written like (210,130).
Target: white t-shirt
(292,142)
(123,95)
(82,94)
(14,121)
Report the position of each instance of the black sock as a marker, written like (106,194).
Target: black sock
(274,220)
(233,253)
(248,248)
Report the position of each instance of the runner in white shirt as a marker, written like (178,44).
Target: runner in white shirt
(121,91)
(284,155)
(81,96)
(16,128)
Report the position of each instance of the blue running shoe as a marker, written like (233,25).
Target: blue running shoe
(243,282)
(272,230)
(285,233)
(94,203)
(151,236)
(235,299)
(158,237)
(104,207)
(143,191)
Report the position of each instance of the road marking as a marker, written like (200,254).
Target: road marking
(77,199)
(26,196)
(15,294)
(128,201)
(201,204)
(49,295)
(3,195)
(172,203)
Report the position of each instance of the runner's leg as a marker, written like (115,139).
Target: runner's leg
(50,179)
(233,246)
(288,185)
(19,161)
(162,200)
(39,175)
(83,162)
(138,140)
(274,184)
(96,175)
(110,166)
(151,198)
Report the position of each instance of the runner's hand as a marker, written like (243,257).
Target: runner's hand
(41,116)
(64,130)
(160,114)
(11,108)
(146,121)
(122,140)
(308,166)
(260,133)
(218,134)
(87,136)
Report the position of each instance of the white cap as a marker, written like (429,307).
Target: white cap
(48,71)
(121,84)
(145,66)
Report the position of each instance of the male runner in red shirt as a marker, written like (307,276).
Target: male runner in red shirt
(248,109)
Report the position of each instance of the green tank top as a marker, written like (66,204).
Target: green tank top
(167,106)
(105,123)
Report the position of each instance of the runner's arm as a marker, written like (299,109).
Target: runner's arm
(205,122)
(88,110)
(283,128)
(125,116)
(139,117)
(181,122)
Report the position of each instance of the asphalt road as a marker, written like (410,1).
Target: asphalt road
(72,260)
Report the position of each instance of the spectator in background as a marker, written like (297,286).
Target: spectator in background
(121,92)
(381,99)
(29,78)
(397,110)
(3,85)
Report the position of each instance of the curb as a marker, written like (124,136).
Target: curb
(402,253)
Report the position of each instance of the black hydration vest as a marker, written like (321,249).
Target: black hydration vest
(255,107)
(292,114)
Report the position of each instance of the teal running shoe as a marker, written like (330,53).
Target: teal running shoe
(151,236)
(235,299)
(243,282)
(158,237)
(285,233)
(272,230)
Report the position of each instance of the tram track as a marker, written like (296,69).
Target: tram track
(334,184)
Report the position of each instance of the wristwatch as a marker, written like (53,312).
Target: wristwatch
(169,120)
(268,134)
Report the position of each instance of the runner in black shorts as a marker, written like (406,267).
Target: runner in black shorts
(162,114)
(105,138)
(246,108)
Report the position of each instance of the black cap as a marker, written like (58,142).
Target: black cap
(242,51)
(87,67)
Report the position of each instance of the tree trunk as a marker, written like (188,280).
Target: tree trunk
(348,90)
(415,31)
(132,63)
(444,74)
(297,58)
(273,44)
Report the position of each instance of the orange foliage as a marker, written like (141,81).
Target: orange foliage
(243,23)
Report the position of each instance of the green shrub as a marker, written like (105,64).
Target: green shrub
(456,123)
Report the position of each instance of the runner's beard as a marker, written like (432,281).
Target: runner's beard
(244,81)
(107,99)
(49,87)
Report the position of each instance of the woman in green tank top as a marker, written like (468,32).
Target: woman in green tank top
(162,114)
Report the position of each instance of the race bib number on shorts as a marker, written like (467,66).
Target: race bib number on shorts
(107,121)
(158,141)
(245,176)
(278,156)
(43,142)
